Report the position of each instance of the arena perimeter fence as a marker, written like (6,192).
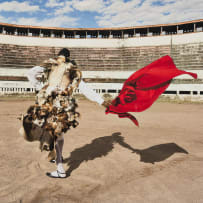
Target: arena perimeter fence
(182,91)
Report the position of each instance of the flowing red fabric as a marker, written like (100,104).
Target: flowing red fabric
(144,86)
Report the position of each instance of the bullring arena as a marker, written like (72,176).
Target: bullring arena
(108,159)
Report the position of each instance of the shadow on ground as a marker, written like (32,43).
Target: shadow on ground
(103,145)
(159,152)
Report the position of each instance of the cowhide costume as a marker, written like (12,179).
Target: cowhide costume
(55,109)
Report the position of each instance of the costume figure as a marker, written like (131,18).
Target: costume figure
(54,112)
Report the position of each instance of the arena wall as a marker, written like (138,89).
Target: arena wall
(103,42)
(105,63)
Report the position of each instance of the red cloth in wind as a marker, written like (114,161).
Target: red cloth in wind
(144,86)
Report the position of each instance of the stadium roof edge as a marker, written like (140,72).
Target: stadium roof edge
(99,29)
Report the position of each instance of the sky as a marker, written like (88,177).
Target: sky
(98,13)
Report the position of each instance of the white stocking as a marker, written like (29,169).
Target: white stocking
(59,149)
(60,172)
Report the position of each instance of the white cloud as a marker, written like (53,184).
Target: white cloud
(2,19)
(59,21)
(88,5)
(65,9)
(16,6)
(120,13)
(54,3)
(80,5)
(110,13)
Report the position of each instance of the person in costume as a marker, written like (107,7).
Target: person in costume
(54,112)
(55,109)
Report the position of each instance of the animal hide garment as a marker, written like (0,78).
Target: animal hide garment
(55,108)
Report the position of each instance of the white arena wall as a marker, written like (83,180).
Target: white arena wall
(194,91)
(103,42)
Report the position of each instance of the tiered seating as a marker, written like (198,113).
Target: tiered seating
(187,56)
(14,56)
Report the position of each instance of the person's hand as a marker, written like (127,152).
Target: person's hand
(106,103)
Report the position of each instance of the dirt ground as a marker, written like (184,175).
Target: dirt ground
(109,160)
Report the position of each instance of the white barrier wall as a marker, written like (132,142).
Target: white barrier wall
(103,42)
(191,91)
(94,74)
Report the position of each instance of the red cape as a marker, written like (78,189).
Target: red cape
(144,86)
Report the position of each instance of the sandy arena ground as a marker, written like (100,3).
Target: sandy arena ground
(109,159)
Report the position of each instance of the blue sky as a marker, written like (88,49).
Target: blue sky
(98,13)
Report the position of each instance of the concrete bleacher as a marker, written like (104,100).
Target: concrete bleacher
(125,58)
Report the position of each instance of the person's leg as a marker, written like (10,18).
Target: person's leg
(60,172)
(59,149)
(52,156)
